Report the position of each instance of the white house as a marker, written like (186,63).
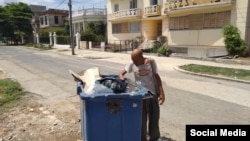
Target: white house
(53,18)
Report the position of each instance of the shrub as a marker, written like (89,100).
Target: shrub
(99,38)
(63,40)
(156,46)
(235,45)
(88,35)
(162,50)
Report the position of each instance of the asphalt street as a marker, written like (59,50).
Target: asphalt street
(190,99)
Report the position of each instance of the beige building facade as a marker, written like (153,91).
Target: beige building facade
(193,27)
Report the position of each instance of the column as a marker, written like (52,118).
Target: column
(78,39)
(55,41)
(50,39)
(37,38)
(90,45)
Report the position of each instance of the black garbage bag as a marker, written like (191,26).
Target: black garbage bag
(113,82)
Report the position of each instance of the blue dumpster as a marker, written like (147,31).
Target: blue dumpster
(111,116)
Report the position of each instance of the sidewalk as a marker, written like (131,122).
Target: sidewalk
(164,63)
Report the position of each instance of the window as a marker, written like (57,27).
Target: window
(216,20)
(195,21)
(41,19)
(45,20)
(220,17)
(153,2)
(134,27)
(116,7)
(133,4)
(181,22)
(56,19)
(186,22)
(126,27)
(200,21)
(116,28)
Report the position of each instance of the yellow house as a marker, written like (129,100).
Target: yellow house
(193,27)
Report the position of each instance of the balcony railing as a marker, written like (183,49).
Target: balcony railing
(89,11)
(179,4)
(126,13)
(153,10)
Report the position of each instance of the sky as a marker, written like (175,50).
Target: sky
(61,4)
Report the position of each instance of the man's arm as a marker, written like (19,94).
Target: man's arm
(161,94)
(122,74)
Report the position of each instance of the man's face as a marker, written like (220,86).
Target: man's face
(137,61)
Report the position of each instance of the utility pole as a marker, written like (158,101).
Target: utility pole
(70,28)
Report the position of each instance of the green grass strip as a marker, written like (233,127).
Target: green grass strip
(10,91)
(222,71)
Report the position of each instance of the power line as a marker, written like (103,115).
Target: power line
(60,4)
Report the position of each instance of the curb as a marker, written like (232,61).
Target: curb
(219,60)
(211,76)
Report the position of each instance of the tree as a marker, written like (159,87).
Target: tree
(99,27)
(16,21)
(95,32)
(66,27)
(2,19)
(4,26)
(235,45)
(88,35)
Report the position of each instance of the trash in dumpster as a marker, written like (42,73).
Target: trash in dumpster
(95,83)
(114,83)
(87,77)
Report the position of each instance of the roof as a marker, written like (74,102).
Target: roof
(57,11)
(38,8)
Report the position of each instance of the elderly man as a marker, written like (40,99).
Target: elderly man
(145,71)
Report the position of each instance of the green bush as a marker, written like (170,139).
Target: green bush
(162,50)
(63,40)
(88,35)
(99,38)
(235,45)
(156,46)
(44,39)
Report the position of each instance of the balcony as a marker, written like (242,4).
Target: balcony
(153,10)
(124,14)
(89,11)
(172,5)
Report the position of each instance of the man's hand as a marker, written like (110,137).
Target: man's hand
(161,97)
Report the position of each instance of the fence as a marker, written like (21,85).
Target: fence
(121,45)
(64,41)
(53,40)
